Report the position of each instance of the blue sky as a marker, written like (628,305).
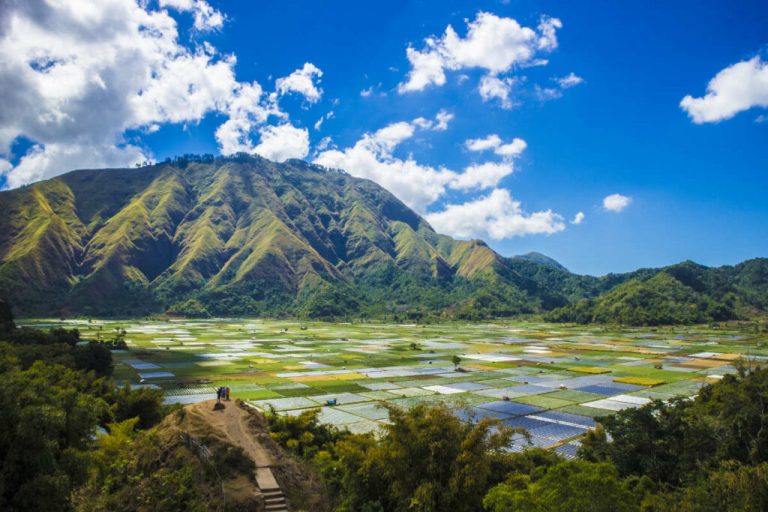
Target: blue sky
(602,116)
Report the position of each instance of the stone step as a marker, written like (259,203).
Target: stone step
(274,501)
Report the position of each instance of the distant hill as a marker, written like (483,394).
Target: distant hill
(685,293)
(202,236)
(541,259)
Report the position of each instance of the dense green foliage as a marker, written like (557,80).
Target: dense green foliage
(128,476)
(56,394)
(49,414)
(671,442)
(575,486)
(159,471)
(427,460)
(706,453)
(732,487)
(659,300)
(202,236)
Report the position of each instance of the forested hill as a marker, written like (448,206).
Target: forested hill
(246,236)
(685,293)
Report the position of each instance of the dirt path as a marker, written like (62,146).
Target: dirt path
(231,422)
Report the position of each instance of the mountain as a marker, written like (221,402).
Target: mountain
(685,293)
(540,259)
(241,235)
(236,235)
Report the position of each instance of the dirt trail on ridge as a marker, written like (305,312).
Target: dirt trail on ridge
(231,422)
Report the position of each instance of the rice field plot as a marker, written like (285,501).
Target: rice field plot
(549,379)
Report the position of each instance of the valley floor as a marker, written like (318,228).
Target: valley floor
(551,380)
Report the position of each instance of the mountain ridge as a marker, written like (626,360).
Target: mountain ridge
(213,224)
(246,236)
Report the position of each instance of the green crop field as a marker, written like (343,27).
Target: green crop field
(549,379)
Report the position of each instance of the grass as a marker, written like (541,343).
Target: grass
(640,381)
(594,370)
(546,401)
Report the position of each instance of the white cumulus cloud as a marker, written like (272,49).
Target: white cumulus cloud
(482,176)
(494,44)
(247,109)
(570,80)
(578,218)
(616,202)
(418,185)
(490,142)
(76,76)
(442,119)
(206,17)
(492,87)
(319,123)
(302,81)
(282,142)
(41,162)
(496,216)
(372,157)
(494,142)
(563,83)
(512,149)
(737,88)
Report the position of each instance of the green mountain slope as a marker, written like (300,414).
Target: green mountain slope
(232,236)
(661,299)
(540,259)
(246,236)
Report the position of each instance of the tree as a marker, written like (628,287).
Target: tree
(731,488)
(137,470)
(49,415)
(426,461)
(675,442)
(145,404)
(6,318)
(55,393)
(735,411)
(456,361)
(652,440)
(575,486)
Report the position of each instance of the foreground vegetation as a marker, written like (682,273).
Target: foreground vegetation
(702,454)
(70,439)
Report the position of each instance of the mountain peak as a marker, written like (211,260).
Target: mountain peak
(541,259)
(237,235)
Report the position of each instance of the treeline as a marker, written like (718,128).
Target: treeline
(681,294)
(685,293)
(659,300)
(407,298)
(704,454)
(381,294)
